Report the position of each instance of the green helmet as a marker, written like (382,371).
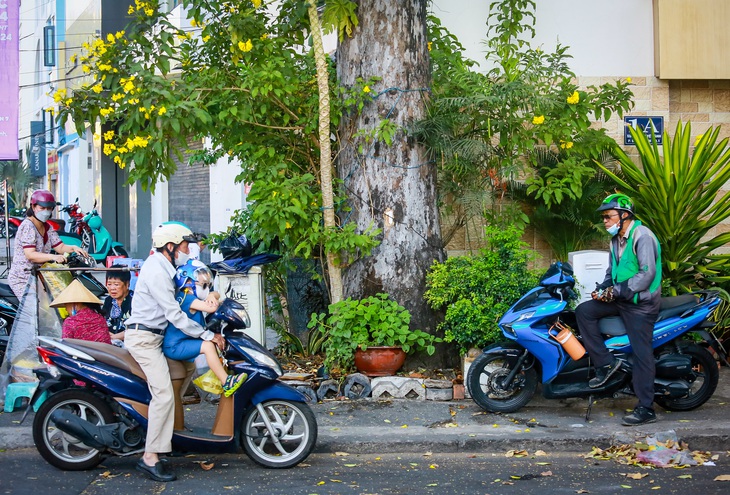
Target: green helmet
(619,202)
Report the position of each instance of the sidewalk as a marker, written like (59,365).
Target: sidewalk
(403,425)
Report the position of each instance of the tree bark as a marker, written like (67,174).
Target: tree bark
(325,152)
(392,187)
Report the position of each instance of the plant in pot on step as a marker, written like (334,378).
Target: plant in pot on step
(371,334)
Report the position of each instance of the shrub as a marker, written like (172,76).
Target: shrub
(374,321)
(477,291)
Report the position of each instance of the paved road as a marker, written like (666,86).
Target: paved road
(457,473)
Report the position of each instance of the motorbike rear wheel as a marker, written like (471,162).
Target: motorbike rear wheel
(703,380)
(485,382)
(279,433)
(61,449)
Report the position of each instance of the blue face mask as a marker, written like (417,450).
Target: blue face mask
(73,311)
(613,229)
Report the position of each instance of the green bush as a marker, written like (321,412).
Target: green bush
(374,321)
(476,291)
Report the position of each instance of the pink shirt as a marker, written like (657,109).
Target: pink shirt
(28,237)
(87,324)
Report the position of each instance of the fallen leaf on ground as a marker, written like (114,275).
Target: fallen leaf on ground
(722,477)
(685,477)
(546,473)
(582,491)
(207,466)
(386,420)
(350,465)
(516,453)
(636,476)
(427,454)
(433,466)
(341,454)
(543,463)
(538,453)
(451,425)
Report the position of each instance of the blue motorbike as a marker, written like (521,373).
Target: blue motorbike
(99,398)
(504,377)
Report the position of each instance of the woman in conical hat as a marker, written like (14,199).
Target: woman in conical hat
(84,321)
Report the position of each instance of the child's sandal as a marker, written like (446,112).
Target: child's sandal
(233,382)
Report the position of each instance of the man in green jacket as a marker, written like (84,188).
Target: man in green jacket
(631,290)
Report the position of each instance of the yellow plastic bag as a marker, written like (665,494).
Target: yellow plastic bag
(210,383)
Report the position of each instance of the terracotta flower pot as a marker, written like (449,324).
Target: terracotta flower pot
(379,361)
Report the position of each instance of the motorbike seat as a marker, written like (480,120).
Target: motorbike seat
(6,291)
(670,307)
(122,359)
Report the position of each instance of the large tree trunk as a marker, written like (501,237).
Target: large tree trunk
(392,187)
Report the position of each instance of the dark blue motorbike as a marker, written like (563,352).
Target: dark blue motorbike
(504,377)
(99,398)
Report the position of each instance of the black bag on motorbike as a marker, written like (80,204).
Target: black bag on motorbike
(235,246)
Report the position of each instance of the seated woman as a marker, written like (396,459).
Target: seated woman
(118,306)
(83,322)
(194,281)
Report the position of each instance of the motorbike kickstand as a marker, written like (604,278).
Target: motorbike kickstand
(590,406)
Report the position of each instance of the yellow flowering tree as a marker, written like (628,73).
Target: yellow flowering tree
(521,131)
(239,78)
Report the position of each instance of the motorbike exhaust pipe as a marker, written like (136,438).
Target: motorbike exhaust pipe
(97,437)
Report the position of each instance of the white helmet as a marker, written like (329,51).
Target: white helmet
(172,232)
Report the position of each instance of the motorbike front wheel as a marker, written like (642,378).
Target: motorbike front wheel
(703,380)
(486,384)
(279,433)
(61,449)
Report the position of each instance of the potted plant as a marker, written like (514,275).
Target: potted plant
(362,331)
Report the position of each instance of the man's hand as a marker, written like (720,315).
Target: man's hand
(219,341)
(603,295)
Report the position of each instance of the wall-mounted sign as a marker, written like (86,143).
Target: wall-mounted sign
(647,126)
(9,79)
(37,158)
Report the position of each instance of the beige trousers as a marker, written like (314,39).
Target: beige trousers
(146,348)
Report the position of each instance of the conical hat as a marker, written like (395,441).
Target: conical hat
(75,293)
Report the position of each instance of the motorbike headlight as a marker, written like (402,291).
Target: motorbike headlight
(265,360)
(243,314)
(523,316)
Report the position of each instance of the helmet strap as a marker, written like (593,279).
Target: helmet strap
(171,253)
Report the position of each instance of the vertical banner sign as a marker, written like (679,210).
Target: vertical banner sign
(9,78)
(37,158)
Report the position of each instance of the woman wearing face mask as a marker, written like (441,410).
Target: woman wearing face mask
(84,321)
(194,281)
(34,241)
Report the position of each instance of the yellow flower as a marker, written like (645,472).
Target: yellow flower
(288,225)
(566,145)
(117,96)
(245,47)
(128,86)
(110,38)
(149,12)
(256,3)
(97,88)
(264,36)
(109,149)
(108,135)
(106,111)
(429,46)
(205,39)
(119,34)
(574,98)
(162,111)
(86,69)
(193,23)
(366,89)
(130,10)
(538,119)
(59,95)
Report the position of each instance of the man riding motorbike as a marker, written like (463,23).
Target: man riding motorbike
(631,290)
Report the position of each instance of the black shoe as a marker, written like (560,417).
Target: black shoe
(639,416)
(158,472)
(604,373)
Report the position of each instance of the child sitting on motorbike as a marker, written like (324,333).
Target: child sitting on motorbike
(193,281)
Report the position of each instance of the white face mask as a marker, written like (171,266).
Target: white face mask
(201,293)
(43,215)
(194,251)
(613,229)
(181,258)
